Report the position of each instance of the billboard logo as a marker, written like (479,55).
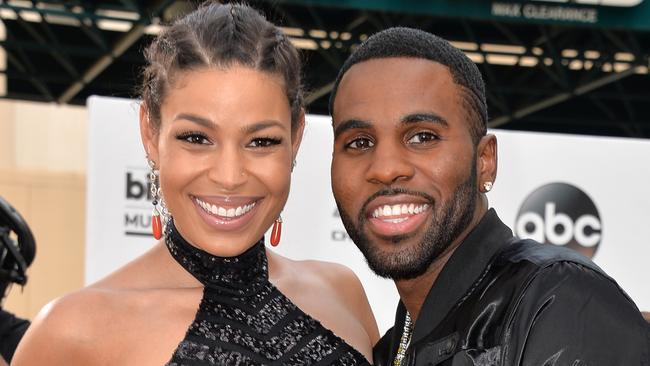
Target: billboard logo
(560,214)
(137,189)
(137,204)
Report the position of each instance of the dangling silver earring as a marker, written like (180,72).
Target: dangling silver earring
(159,217)
(487,186)
(293,164)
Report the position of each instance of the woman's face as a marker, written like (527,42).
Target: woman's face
(224,150)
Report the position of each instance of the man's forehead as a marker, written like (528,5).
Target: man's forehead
(378,82)
(394,64)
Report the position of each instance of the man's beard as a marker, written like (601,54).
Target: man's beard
(447,223)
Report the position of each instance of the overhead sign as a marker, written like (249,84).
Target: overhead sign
(615,14)
(621,3)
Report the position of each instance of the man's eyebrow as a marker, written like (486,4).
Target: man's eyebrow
(424,117)
(350,124)
(205,122)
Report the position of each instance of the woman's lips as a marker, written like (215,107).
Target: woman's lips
(226,213)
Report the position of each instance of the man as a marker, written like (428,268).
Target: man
(411,165)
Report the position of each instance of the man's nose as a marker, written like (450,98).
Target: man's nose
(390,164)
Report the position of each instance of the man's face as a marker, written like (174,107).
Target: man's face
(404,165)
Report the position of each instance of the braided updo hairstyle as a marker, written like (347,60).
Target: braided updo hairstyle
(219,36)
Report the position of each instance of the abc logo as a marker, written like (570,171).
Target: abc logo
(560,214)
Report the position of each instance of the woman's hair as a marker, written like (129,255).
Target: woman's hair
(220,36)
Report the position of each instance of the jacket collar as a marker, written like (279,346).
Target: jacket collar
(461,271)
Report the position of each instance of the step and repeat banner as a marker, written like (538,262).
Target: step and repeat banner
(590,194)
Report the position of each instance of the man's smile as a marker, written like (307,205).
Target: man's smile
(398,211)
(396,215)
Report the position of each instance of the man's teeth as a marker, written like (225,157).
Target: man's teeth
(225,212)
(397,210)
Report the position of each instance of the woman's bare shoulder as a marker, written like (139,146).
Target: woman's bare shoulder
(335,281)
(65,332)
(338,275)
(78,328)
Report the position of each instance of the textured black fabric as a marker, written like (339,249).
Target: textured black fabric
(500,301)
(11,331)
(244,320)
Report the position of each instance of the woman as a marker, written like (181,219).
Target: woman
(221,122)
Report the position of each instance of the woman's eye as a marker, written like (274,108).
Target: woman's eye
(422,137)
(194,138)
(264,142)
(360,143)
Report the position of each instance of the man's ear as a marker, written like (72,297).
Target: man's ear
(296,134)
(487,159)
(148,133)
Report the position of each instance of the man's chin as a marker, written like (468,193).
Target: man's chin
(395,271)
(395,241)
(396,257)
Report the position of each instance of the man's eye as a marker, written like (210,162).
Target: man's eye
(194,138)
(264,142)
(422,137)
(361,143)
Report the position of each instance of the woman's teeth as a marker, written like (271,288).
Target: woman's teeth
(225,212)
(397,210)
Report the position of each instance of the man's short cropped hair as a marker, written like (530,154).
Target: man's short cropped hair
(409,42)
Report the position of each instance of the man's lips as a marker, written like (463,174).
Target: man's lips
(395,205)
(396,214)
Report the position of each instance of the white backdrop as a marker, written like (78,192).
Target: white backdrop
(614,173)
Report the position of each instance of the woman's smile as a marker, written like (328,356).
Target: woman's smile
(226,213)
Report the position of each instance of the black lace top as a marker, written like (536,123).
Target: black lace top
(244,320)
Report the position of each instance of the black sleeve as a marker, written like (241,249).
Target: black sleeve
(573,315)
(11,331)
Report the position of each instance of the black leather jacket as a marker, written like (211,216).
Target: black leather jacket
(503,301)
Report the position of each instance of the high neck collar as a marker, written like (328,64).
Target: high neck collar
(241,275)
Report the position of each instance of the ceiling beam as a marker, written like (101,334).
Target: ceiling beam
(561,97)
(122,44)
(318,93)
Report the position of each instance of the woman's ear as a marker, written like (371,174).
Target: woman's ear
(487,160)
(148,133)
(296,134)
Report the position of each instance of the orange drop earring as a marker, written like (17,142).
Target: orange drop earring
(156,225)
(156,222)
(276,233)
